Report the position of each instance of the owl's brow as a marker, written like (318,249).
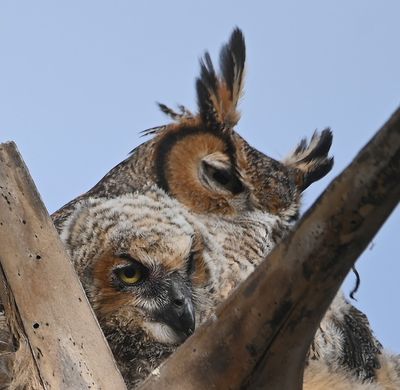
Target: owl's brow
(126,256)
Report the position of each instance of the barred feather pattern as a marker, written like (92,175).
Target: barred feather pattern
(130,175)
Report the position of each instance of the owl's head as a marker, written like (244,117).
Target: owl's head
(146,268)
(141,263)
(201,161)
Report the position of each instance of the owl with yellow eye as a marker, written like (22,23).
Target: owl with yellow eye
(146,272)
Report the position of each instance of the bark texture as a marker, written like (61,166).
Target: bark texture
(54,329)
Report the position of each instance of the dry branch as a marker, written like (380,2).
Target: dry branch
(51,317)
(17,362)
(260,335)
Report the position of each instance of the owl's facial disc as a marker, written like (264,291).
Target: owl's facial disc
(165,298)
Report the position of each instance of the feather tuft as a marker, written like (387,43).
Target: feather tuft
(218,95)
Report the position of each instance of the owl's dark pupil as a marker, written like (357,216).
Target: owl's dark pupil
(221,176)
(225,177)
(129,272)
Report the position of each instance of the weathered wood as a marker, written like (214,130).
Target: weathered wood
(64,337)
(260,336)
(18,367)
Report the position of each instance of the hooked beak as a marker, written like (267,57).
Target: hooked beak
(179,312)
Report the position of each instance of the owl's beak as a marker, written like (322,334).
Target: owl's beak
(179,313)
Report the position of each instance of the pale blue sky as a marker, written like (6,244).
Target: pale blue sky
(78,81)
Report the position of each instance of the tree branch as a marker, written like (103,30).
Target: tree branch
(67,349)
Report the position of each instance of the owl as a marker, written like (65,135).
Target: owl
(146,271)
(202,162)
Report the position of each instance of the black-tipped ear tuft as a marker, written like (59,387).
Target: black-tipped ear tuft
(218,95)
(320,168)
(207,73)
(311,159)
(232,61)
(205,101)
(319,146)
(183,113)
(207,92)
(168,111)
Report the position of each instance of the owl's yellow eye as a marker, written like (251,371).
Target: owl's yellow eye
(130,274)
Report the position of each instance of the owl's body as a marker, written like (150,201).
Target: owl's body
(320,376)
(343,344)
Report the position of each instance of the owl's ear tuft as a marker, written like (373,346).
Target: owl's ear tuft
(218,95)
(183,113)
(208,99)
(311,160)
(232,62)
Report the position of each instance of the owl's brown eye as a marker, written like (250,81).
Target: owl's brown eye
(131,274)
(225,177)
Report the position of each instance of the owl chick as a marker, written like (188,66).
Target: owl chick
(145,272)
(238,193)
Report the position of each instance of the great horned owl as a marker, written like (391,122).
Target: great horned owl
(233,189)
(146,272)
(201,161)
